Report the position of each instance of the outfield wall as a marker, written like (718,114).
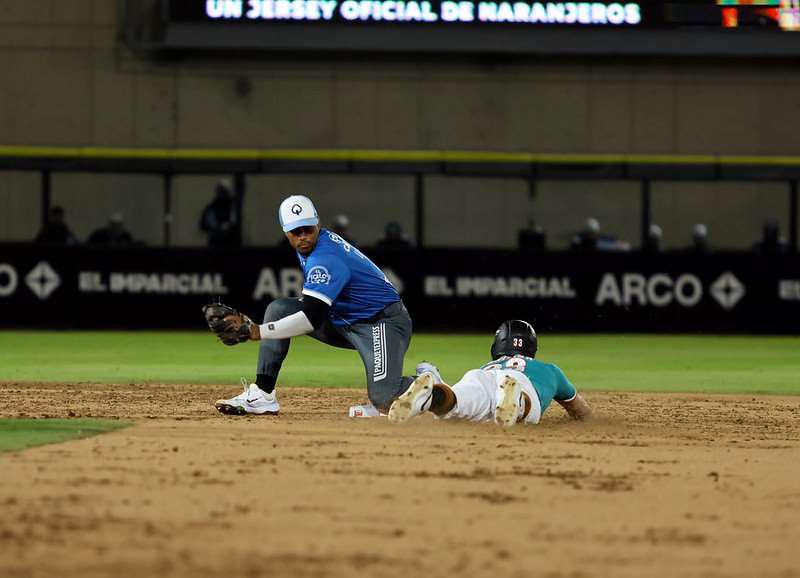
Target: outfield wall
(444,289)
(70,81)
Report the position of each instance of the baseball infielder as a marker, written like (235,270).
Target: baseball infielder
(346,302)
(512,388)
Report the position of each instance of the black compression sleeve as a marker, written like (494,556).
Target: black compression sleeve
(316,310)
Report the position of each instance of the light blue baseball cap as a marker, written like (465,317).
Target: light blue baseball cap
(297,211)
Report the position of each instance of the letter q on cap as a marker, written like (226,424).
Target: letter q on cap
(297,211)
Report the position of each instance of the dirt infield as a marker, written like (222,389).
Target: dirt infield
(656,485)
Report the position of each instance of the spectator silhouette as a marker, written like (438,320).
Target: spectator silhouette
(55,231)
(394,237)
(341,226)
(652,242)
(771,242)
(113,234)
(220,218)
(586,240)
(532,239)
(590,240)
(700,244)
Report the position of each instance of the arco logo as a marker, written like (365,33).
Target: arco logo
(659,290)
(662,290)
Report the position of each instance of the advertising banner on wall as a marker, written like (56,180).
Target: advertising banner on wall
(444,289)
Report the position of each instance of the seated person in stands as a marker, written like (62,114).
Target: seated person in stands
(532,239)
(55,231)
(586,240)
(341,226)
(113,234)
(771,243)
(700,244)
(652,243)
(590,241)
(394,237)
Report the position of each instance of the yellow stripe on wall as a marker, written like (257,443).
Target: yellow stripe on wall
(390,156)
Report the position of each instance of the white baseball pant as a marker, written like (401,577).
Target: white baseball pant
(478,393)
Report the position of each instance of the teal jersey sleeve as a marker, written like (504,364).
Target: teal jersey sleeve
(565,391)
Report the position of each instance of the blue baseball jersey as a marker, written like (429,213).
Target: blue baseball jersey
(343,277)
(548,380)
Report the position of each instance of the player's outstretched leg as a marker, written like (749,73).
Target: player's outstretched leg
(416,399)
(509,402)
(251,401)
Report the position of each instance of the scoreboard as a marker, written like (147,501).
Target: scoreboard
(755,28)
(431,12)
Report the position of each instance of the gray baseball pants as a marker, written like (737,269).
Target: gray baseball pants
(381,342)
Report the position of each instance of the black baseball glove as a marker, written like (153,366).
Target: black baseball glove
(227,323)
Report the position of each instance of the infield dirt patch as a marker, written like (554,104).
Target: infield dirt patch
(656,485)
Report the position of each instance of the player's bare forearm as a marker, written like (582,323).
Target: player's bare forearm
(577,408)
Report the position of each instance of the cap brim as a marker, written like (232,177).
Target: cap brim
(300,223)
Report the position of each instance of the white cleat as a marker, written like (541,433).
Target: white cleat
(426,366)
(509,402)
(416,399)
(364,410)
(253,400)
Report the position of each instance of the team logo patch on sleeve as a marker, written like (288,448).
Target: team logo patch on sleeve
(318,275)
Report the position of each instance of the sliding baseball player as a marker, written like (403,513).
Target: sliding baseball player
(512,388)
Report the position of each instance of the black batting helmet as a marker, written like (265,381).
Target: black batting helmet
(514,337)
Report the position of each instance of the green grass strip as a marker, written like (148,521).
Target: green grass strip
(647,363)
(18,434)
